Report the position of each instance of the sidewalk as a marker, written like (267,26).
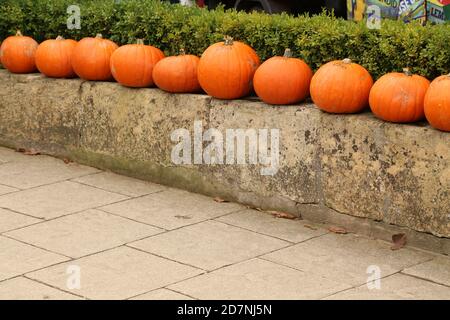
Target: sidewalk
(72,232)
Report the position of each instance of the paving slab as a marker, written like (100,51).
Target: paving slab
(162,294)
(119,273)
(33,171)
(397,287)
(209,245)
(136,240)
(346,258)
(58,199)
(25,289)
(17,258)
(11,220)
(436,270)
(172,209)
(259,280)
(83,233)
(262,222)
(120,184)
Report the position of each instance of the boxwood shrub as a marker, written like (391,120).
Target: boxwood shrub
(317,39)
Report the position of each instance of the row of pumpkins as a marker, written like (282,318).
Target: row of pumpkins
(230,70)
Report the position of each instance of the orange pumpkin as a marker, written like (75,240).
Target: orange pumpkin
(91,58)
(226,69)
(177,74)
(399,97)
(17,53)
(341,87)
(132,65)
(283,80)
(54,58)
(437,103)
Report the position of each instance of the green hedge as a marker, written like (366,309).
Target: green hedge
(316,39)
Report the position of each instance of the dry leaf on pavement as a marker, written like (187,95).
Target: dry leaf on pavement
(283,215)
(399,241)
(28,152)
(337,230)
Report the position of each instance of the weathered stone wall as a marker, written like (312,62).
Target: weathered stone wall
(355,165)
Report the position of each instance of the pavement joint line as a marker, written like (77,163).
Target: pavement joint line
(47,184)
(424,279)
(358,285)
(36,270)
(180,292)
(168,230)
(166,258)
(254,231)
(54,287)
(153,290)
(122,194)
(70,260)
(285,265)
(137,221)
(62,216)
(7,185)
(75,258)
(35,246)
(21,213)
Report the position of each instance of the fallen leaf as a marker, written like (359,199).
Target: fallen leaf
(31,152)
(283,215)
(220,200)
(183,217)
(337,230)
(310,227)
(399,241)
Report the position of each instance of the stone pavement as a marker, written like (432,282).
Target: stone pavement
(72,232)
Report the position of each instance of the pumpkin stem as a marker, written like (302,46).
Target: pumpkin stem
(140,41)
(99,36)
(19,34)
(228,41)
(59,38)
(288,53)
(407,71)
(182,52)
(347,60)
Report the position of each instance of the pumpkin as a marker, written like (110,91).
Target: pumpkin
(177,74)
(399,97)
(437,103)
(283,80)
(132,65)
(91,58)
(17,53)
(226,69)
(341,87)
(54,58)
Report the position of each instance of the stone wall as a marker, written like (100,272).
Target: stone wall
(352,165)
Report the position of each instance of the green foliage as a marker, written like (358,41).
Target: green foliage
(317,39)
